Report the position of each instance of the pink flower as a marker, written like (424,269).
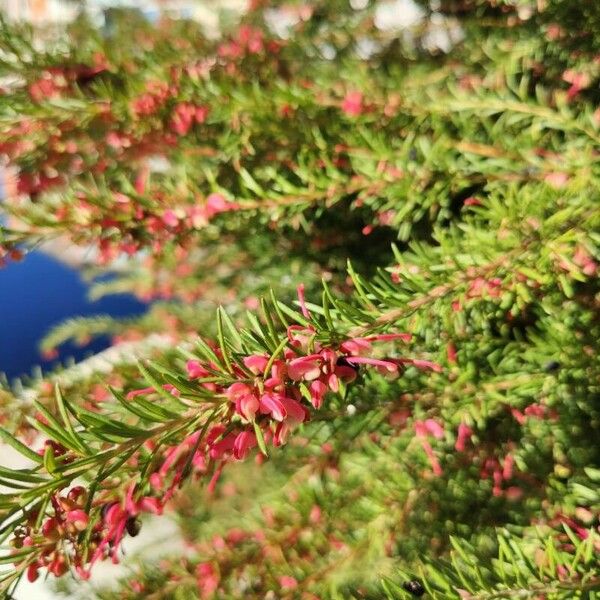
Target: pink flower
(295,412)
(197,216)
(384,365)
(583,259)
(201,114)
(144,504)
(507,468)
(256,363)
(315,514)
(422,364)
(281,432)
(247,406)
(578,81)
(535,410)
(216,203)
(238,389)
(557,179)
(305,367)
(356,346)
(497,478)
(149,504)
(183,118)
(288,583)
(352,105)
(302,301)
(208,580)
(513,493)
(429,427)
(156,481)
(115,522)
(433,461)
(223,447)
(271,404)
(299,336)
(278,373)
(145,104)
(481,287)
(243,443)
(212,484)
(518,416)
(195,370)
(251,38)
(464,434)
(79,518)
(317,392)
(121,198)
(170,218)
(133,393)
(32,572)
(44,88)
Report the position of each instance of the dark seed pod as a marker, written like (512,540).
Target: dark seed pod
(133,526)
(414,587)
(551,366)
(343,362)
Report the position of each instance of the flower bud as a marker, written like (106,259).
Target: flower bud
(78,518)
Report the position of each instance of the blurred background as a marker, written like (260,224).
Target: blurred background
(43,12)
(48,287)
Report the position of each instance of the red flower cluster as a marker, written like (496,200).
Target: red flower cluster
(57,536)
(156,95)
(501,472)
(247,41)
(277,388)
(266,397)
(118,518)
(185,115)
(138,226)
(272,392)
(55,80)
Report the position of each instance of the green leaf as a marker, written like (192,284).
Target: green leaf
(20,475)
(135,408)
(154,383)
(233,330)
(62,406)
(259,438)
(21,448)
(294,315)
(49,460)
(222,342)
(208,354)
(277,309)
(16,556)
(282,344)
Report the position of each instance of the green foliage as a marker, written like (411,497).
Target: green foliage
(515,573)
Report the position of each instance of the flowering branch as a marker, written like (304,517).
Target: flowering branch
(248,389)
